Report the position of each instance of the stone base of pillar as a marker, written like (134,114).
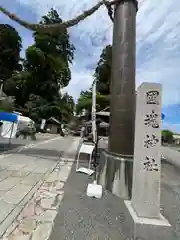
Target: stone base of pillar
(148,228)
(115,173)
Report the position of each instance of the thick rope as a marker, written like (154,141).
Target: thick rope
(51,27)
(116,2)
(123,1)
(69,23)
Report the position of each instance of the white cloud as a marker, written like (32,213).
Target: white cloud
(158,41)
(158,30)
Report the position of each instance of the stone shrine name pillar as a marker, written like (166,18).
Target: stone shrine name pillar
(144,207)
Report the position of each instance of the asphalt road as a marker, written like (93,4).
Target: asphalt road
(170,195)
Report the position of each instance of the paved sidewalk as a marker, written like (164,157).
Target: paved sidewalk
(30,183)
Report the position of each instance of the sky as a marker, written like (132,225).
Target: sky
(157,43)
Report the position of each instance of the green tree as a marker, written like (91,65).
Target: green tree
(7,105)
(50,56)
(46,70)
(85,101)
(19,85)
(68,105)
(10,47)
(48,61)
(167,136)
(103,71)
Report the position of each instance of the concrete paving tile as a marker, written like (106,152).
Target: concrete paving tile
(46,164)
(44,187)
(5,209)
(9,183)
(47,203)
(18,235)
(10,218)
(1,169)
(59,185)
(17,161)
(41,169)
(4,174)
(29,168)
(42,232)
(4,164)
(64,173)
(31,179)
(16,194)
(53,177)
(29,210)
(47,194)
(2,193)
(16,167)
(46,216)
(27,225)
(20,173)
(11,228)
(38,210)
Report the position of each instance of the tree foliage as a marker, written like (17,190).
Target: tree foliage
(39,53)
(6,105)
(47,62)
(10,47)
(103,71)
(45,71)
(167,136)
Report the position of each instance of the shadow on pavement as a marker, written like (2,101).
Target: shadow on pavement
(8,147)
(41,153)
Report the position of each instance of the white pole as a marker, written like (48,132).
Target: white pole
(1,89)
(94,112)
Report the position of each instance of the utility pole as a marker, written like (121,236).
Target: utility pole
(119,157)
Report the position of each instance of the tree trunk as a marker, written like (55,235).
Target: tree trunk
(122,106)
